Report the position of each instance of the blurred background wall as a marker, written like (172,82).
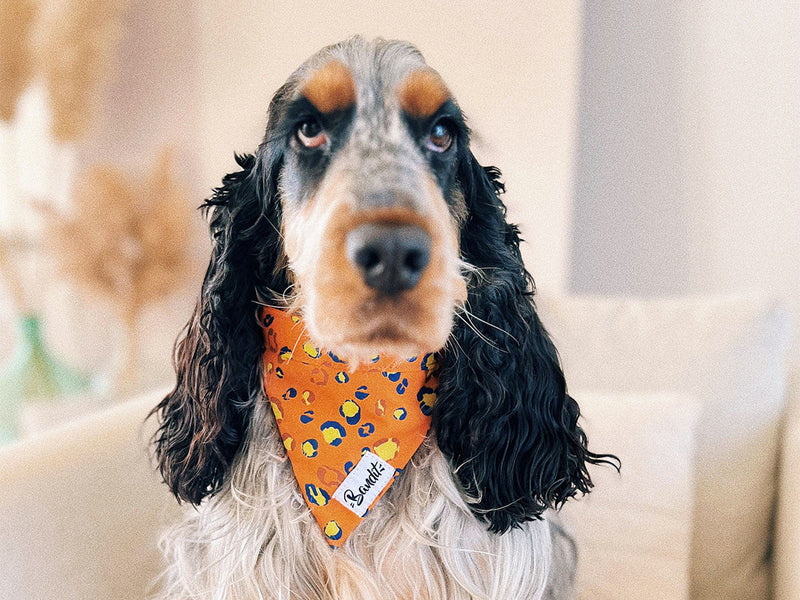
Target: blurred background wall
(648,148)
(688,160)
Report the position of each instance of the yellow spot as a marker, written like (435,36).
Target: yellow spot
(308,449)
(311,350)
(319,498)
(349,408)
(288,443)
(330,434)
(332,529)
(388,449)
(276,411)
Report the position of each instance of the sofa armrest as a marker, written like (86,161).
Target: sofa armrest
(81,509)
(787,531)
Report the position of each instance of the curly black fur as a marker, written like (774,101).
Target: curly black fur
(203,420)
(503,417)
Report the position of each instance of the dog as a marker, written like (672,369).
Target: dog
(365,217)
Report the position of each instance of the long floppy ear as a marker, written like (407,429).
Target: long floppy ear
(503,417)
(204,419)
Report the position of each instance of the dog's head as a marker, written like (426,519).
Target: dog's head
(365,211)
(368,138)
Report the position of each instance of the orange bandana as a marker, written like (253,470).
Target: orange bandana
(347,433)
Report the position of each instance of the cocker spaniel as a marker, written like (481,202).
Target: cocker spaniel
(367,405)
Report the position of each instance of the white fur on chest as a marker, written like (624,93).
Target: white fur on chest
(256,539)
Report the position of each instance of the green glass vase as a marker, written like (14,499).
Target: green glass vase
(32,374)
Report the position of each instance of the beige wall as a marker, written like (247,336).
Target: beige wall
(688,175)
(688,162)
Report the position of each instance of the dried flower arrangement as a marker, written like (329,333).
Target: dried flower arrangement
(69,44)
(16,61)
(74,42)
(128,240)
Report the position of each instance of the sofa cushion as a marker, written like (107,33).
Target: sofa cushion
(729,353)
(81,509)
(634,529)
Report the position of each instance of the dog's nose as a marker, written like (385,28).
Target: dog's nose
(391,258)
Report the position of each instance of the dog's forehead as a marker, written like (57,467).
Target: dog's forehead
(375,75)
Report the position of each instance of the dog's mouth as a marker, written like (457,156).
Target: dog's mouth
(396,326)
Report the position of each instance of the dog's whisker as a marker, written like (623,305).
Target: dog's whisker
(500,329)
(475,330)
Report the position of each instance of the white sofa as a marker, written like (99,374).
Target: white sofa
(80,507)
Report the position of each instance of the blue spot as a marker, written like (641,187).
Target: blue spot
(268,319)
(307,416)
(366,430)
(279,372)
(348,466)
(342,377)
(335,358)
(289,394)
(413,358)
(426,398)
(361,392)
(316,496)
(375,358)
(401,387)
(394,376)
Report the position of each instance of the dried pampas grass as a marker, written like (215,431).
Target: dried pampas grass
(16,61)
(127,240)
(74,42)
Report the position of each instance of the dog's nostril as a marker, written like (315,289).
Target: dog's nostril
(416,260)
(368,258)
(390,258)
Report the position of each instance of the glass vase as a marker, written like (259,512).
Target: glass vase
(32,374)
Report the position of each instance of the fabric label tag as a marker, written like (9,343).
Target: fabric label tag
(364,483)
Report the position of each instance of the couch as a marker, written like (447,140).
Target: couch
(691,394)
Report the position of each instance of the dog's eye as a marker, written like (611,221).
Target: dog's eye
(310,134)
(441,137)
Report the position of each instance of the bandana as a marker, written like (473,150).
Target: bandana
(348,433)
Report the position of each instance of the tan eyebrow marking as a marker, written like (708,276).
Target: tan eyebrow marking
(331,88)
(422,93)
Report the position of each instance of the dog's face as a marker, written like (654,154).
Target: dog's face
(371,206)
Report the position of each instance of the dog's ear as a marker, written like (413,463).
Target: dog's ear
(202,422)
(503,417)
